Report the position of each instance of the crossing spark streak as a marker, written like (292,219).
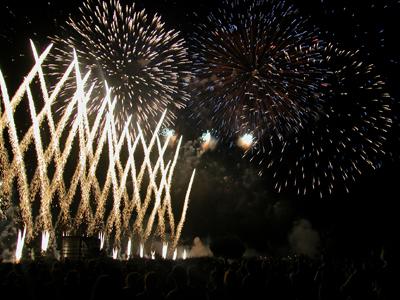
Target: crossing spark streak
(77,194)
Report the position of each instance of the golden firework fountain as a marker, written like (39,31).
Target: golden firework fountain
(78,175)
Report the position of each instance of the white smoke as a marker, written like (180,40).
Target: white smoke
(304,239)
(250,252)
(199,249)
(8,236)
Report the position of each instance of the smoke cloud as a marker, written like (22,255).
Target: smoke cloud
(199,249)
(8,236)
(304,239)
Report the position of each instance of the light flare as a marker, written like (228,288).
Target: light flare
(164,250)
(102,239)
(129,249)
(174,256)
(184,255)
(20,244)
(45,241)
(246,141)
(115,253)
(141,250)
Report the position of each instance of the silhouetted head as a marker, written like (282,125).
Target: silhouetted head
(132,279)
(151,281)
(179,276)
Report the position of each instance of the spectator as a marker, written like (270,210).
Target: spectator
(151,288)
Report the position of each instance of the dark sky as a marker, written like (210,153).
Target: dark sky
(228,196)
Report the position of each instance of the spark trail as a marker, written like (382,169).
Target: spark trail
(82,166)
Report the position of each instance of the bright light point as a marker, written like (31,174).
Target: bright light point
(170,134)
(246,141)
(101,238)
(153,254)
(115,253)
(175,254)
(206,137)
(141,250)
(128,250)
(184,256)
(45,240)
(164,250)
(167,132)
(208,141)
(20,245)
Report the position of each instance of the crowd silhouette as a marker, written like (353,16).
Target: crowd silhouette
(208,278)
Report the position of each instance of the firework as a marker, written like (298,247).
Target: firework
(129,248)
(141,250)
(346,141)
(208,141)
(146,64)
(258,69)
(20,245)
(90,198)
(45,241)
(164,250)
(184,255)
(115,253)
(246,141)
(169,134)
(102,240)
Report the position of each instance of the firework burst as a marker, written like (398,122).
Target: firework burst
(258,69)
(146,64)
(346,141)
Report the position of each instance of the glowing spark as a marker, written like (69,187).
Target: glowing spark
(175,254)
(141,250)
(206,137)
(246,141)
(153,254)
(102,239)
(115,253)
(167,132)
(208,142)
(45,241)
(129,248)
(20,245)
(164,250)
(184,210)
(184,255)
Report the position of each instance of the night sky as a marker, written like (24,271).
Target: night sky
(228,196)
